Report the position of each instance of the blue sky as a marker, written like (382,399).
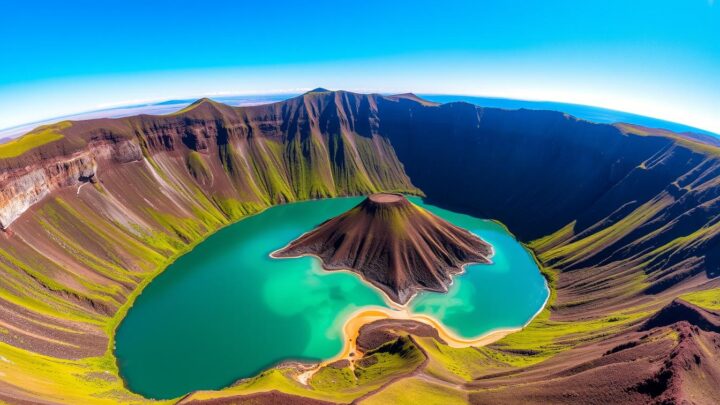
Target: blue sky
(657,58)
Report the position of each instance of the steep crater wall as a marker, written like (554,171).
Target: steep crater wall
(629,213)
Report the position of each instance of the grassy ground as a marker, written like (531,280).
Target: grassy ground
(708,299)
(87,381)
(37,137)
(392,360)
(416,390)
(544,338)
(454,364)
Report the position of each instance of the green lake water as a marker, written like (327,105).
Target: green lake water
(226,310)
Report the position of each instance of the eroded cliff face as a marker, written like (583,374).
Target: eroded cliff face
(318,145)
(628,217)
(24,187)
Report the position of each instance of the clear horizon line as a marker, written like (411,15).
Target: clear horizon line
(299,91)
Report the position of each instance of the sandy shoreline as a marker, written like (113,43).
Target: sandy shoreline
(369,314)
(366,315)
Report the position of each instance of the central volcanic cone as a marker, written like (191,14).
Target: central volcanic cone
(394,244)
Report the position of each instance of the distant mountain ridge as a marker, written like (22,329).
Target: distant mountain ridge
(593,114)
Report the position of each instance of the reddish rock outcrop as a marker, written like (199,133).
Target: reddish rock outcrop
(27,185)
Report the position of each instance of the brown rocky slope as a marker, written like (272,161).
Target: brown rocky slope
(394,244)
(671,358)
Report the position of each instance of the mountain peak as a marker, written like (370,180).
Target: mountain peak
(678,311)
(394,244)
(206,107)
(203,100)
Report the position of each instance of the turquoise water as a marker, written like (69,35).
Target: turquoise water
(226,310)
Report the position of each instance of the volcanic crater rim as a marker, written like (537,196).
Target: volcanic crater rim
(387,198)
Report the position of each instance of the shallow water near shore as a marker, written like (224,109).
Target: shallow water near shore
(226,310)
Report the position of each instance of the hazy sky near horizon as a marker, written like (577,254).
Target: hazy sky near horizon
(659,58)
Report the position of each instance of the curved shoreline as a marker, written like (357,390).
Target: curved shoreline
(353,322)
(119,316)
(116,320)
(368,314)
(386,297)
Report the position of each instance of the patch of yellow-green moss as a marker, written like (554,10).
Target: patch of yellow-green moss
(37,137)
(543,337)
(197,167)
(91,380)
(582,248)
(708,299)
(236,209)
(453,364)
(416,390)
(333,378)
(394,358)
